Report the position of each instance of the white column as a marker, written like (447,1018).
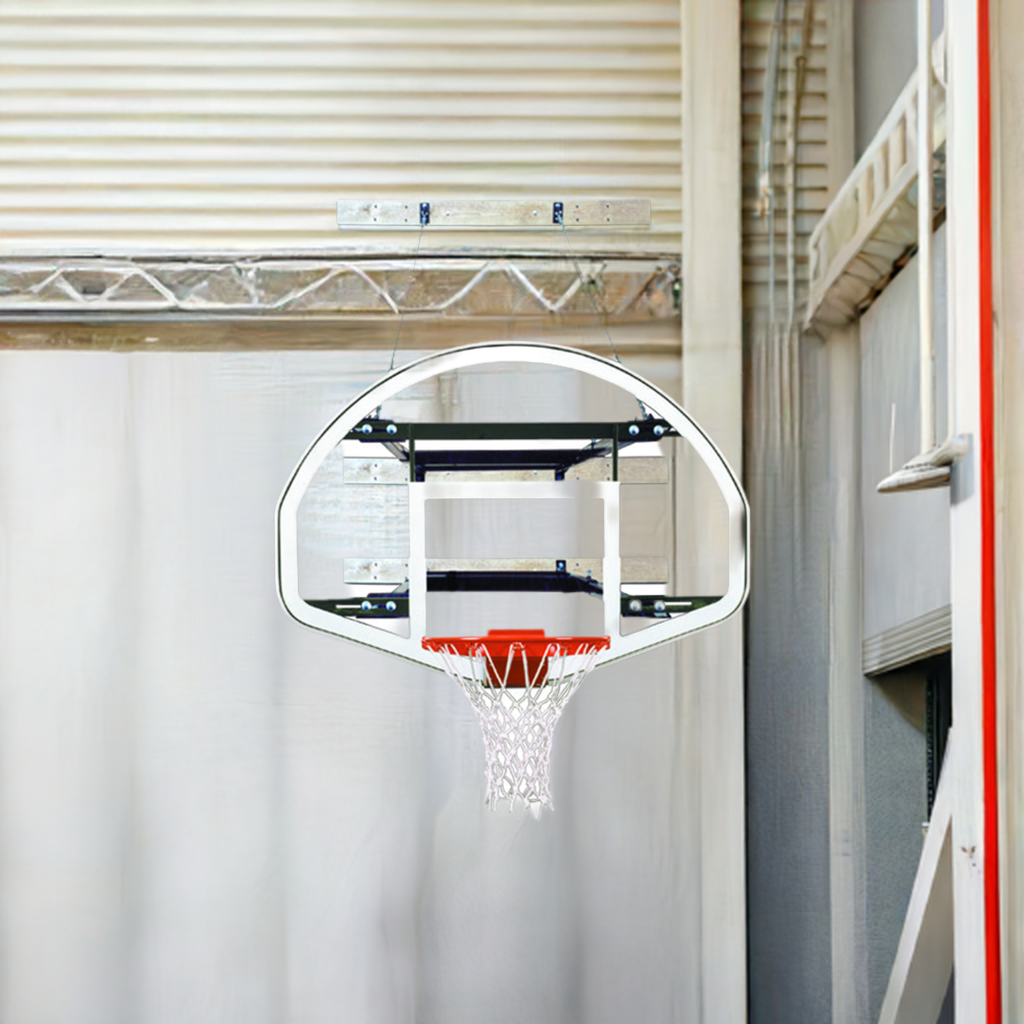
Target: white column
(848,884)
(1008,225)
(712,661)
(964,319)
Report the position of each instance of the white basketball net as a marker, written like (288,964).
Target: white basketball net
(518,722)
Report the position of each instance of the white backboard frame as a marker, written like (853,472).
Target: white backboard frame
(410,647)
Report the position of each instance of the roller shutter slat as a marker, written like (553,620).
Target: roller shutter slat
(215,126)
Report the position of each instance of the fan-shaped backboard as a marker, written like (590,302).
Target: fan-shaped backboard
(392,470)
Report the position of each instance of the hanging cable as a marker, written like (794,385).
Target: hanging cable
(424,220)
(401,319)
(597,307)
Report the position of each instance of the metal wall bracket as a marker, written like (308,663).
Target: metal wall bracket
(494,214)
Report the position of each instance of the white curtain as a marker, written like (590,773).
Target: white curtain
(211,814)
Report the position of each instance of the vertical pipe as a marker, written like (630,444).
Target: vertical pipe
(797,76)
(925,215)
(989,696)
(611,568)
(771,75)
(792,113)
(417,561)
(951,431)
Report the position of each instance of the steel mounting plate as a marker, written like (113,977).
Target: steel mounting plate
(515,214)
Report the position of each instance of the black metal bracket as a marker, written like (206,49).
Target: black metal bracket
(627,432)
(395,604)
(512,581)
(558,213)
(634,607)
(376,606)
(424,214)
(606,440)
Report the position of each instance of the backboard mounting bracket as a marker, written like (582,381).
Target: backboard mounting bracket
(494,214)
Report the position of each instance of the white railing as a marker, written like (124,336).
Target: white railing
(872,221)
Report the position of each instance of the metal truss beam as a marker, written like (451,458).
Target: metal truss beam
(626,290)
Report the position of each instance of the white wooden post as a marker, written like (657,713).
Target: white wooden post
(924,957)
(847,869)
(711,684)
(965,512)
(1008,225)
(848,860)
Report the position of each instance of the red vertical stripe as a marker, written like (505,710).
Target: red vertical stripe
(993,961)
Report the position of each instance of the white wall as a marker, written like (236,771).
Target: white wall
(885,55)
(210,813)
(906,536)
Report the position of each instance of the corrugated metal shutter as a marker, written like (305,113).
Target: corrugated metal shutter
(131,125)
(812,150)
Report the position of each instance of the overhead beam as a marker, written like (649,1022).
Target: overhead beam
(327,333)
(244,285)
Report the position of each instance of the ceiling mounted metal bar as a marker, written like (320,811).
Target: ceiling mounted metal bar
(494,214)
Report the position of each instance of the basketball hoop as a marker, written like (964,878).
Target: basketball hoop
(392,477)
(518,682)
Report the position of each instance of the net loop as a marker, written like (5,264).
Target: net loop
(518,685)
